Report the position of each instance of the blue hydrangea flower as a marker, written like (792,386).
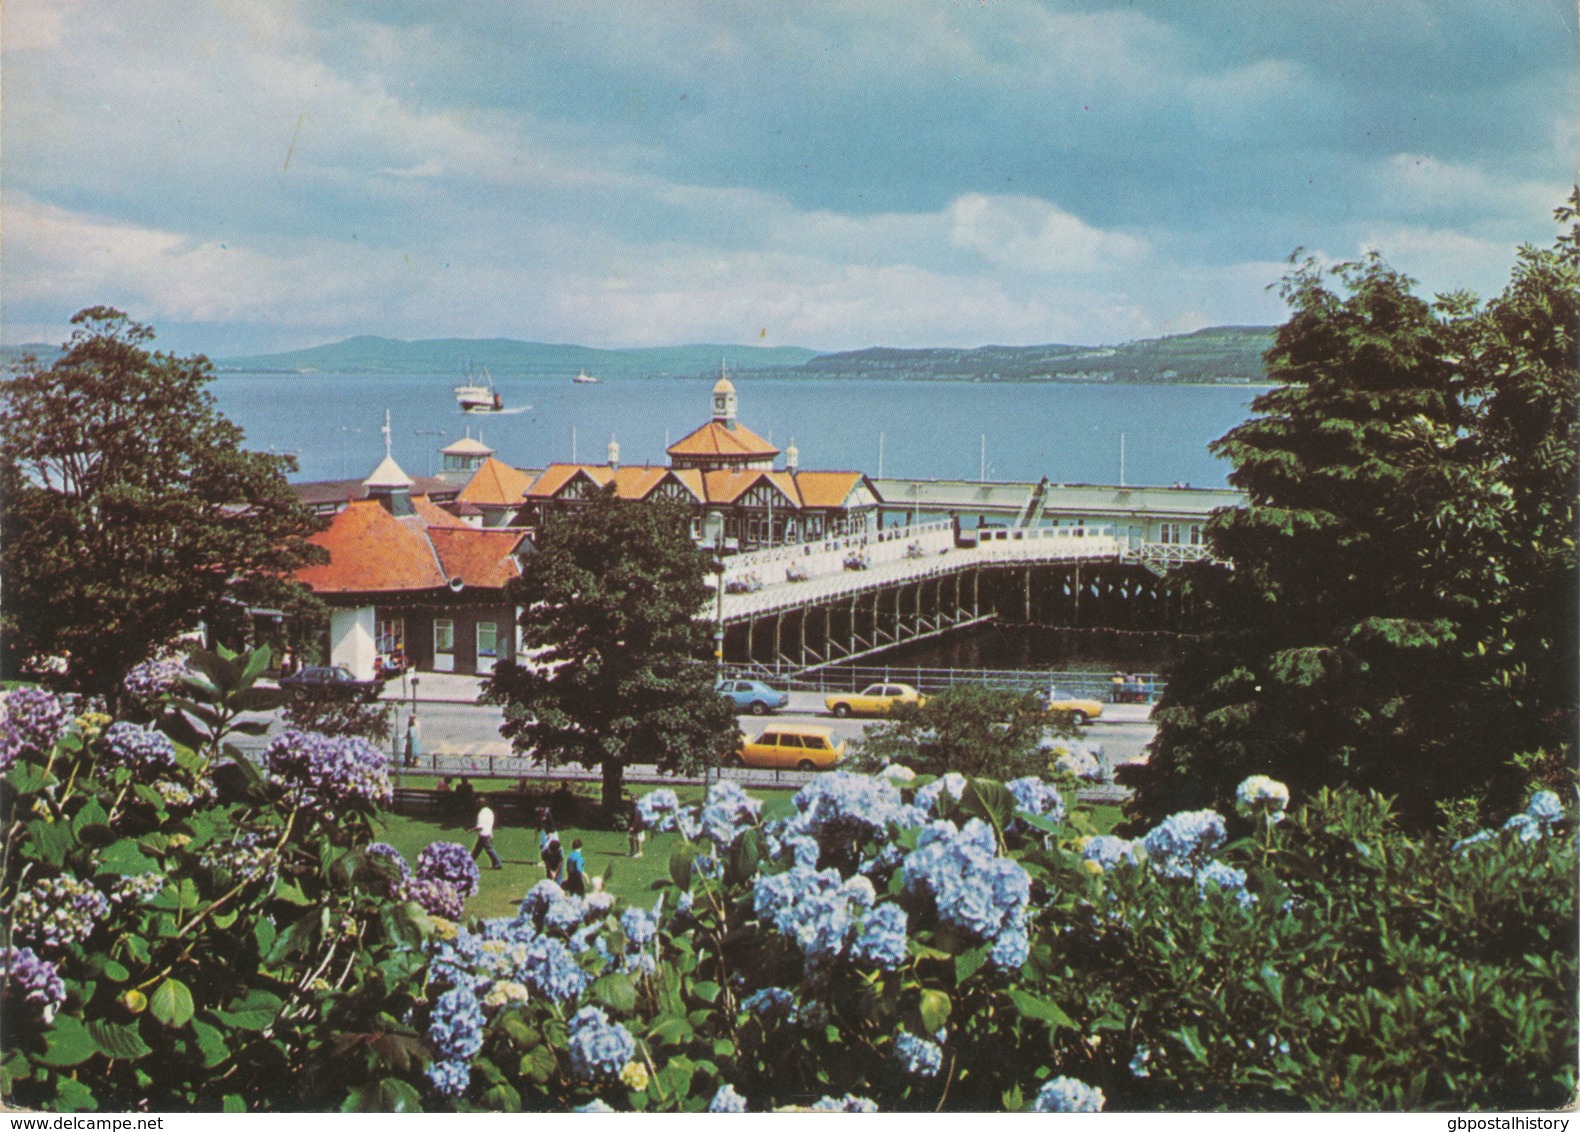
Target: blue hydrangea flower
(551,970)
(32,980)
(847,1103)
(596,1105)
(31,720)
(1545,807)
(596,1048)
(970,888)
(324,771)
(451,863)
(639,926)
(727,1100)
(918,1056)
(1139,1062)
(1525,827)
(880,940)
(1181,843)
(1109,851)
(771,1004)
(1264,796)
(455,1030)
(927,797)
(1227,879)
(146,753)
(727,812)
(841,810)
(1038,798)
(1066,1094)
(449,1077)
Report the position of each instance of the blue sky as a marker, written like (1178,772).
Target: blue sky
(253,175)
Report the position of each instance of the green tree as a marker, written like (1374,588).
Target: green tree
(976,731)
(132,512)
(614,671)
(1393,608)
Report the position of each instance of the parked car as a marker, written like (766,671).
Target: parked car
(1080,711)
(753,696)
(332,678)
(790,746)
(875,699)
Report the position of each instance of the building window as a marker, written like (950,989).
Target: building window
(443,635)
(487,639)
(390,635)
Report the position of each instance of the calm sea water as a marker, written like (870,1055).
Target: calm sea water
(1069,433)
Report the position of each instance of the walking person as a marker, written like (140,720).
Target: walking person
(484,828)
(576,870)
(553,855)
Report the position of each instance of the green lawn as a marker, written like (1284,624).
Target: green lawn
(606,851)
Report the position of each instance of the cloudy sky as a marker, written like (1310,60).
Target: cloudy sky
(265,174)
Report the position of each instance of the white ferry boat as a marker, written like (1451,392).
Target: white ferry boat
(476,397)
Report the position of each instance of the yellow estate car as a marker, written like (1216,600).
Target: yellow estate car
(876,699)
(791,747)
(1079,711)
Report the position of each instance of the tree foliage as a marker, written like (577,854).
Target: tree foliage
(1394,606)
(983,732)
(132,512)
(614,671)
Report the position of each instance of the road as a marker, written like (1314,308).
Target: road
(463,738)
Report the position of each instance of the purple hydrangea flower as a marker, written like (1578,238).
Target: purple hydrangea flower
(58,912)
(154,678)
(32,980)
(1066,1094)
(137,889)
(31,720)
(145,753)
(384,851)
(326,771)
(437,897)
(596,1047)
(451,863)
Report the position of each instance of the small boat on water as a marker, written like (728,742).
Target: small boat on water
(585,378)
(476,397)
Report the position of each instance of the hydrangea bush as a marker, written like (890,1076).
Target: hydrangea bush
(185,931)
(905,943)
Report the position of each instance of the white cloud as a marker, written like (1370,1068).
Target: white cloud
(1443,259)
(1416,183)
(1036,237)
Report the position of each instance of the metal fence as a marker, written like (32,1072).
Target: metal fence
(1140,688)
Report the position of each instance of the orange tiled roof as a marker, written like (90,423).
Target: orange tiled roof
(477,557)
(495,484)
(556,476)
(372,551)
(714,439)
(826,489)
(727,487)
(433,515)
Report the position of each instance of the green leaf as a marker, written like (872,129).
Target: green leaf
(68,1043)
(211,1043)
(680,866)
(257,660)
(388,1094)
(705,990)
(50,840)
(290,893)
(123,1042)
(934,1008)
(1192,1043)
(233,1103)
(537,1064)
(115,972)
(73,1096)
(25,778)
(502,1098)
(172,1003)
(90,814)
(263,934)
(247,1019)
(968,963)
(617,992)
(125,858)
(1039,1009)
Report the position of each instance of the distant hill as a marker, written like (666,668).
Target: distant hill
(1219,354)
(507,357)
(11,356)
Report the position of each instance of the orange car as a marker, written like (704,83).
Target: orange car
(791,747)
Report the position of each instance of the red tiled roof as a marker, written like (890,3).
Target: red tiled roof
(371,551)
(714,439)
(477,557)
(495,484)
